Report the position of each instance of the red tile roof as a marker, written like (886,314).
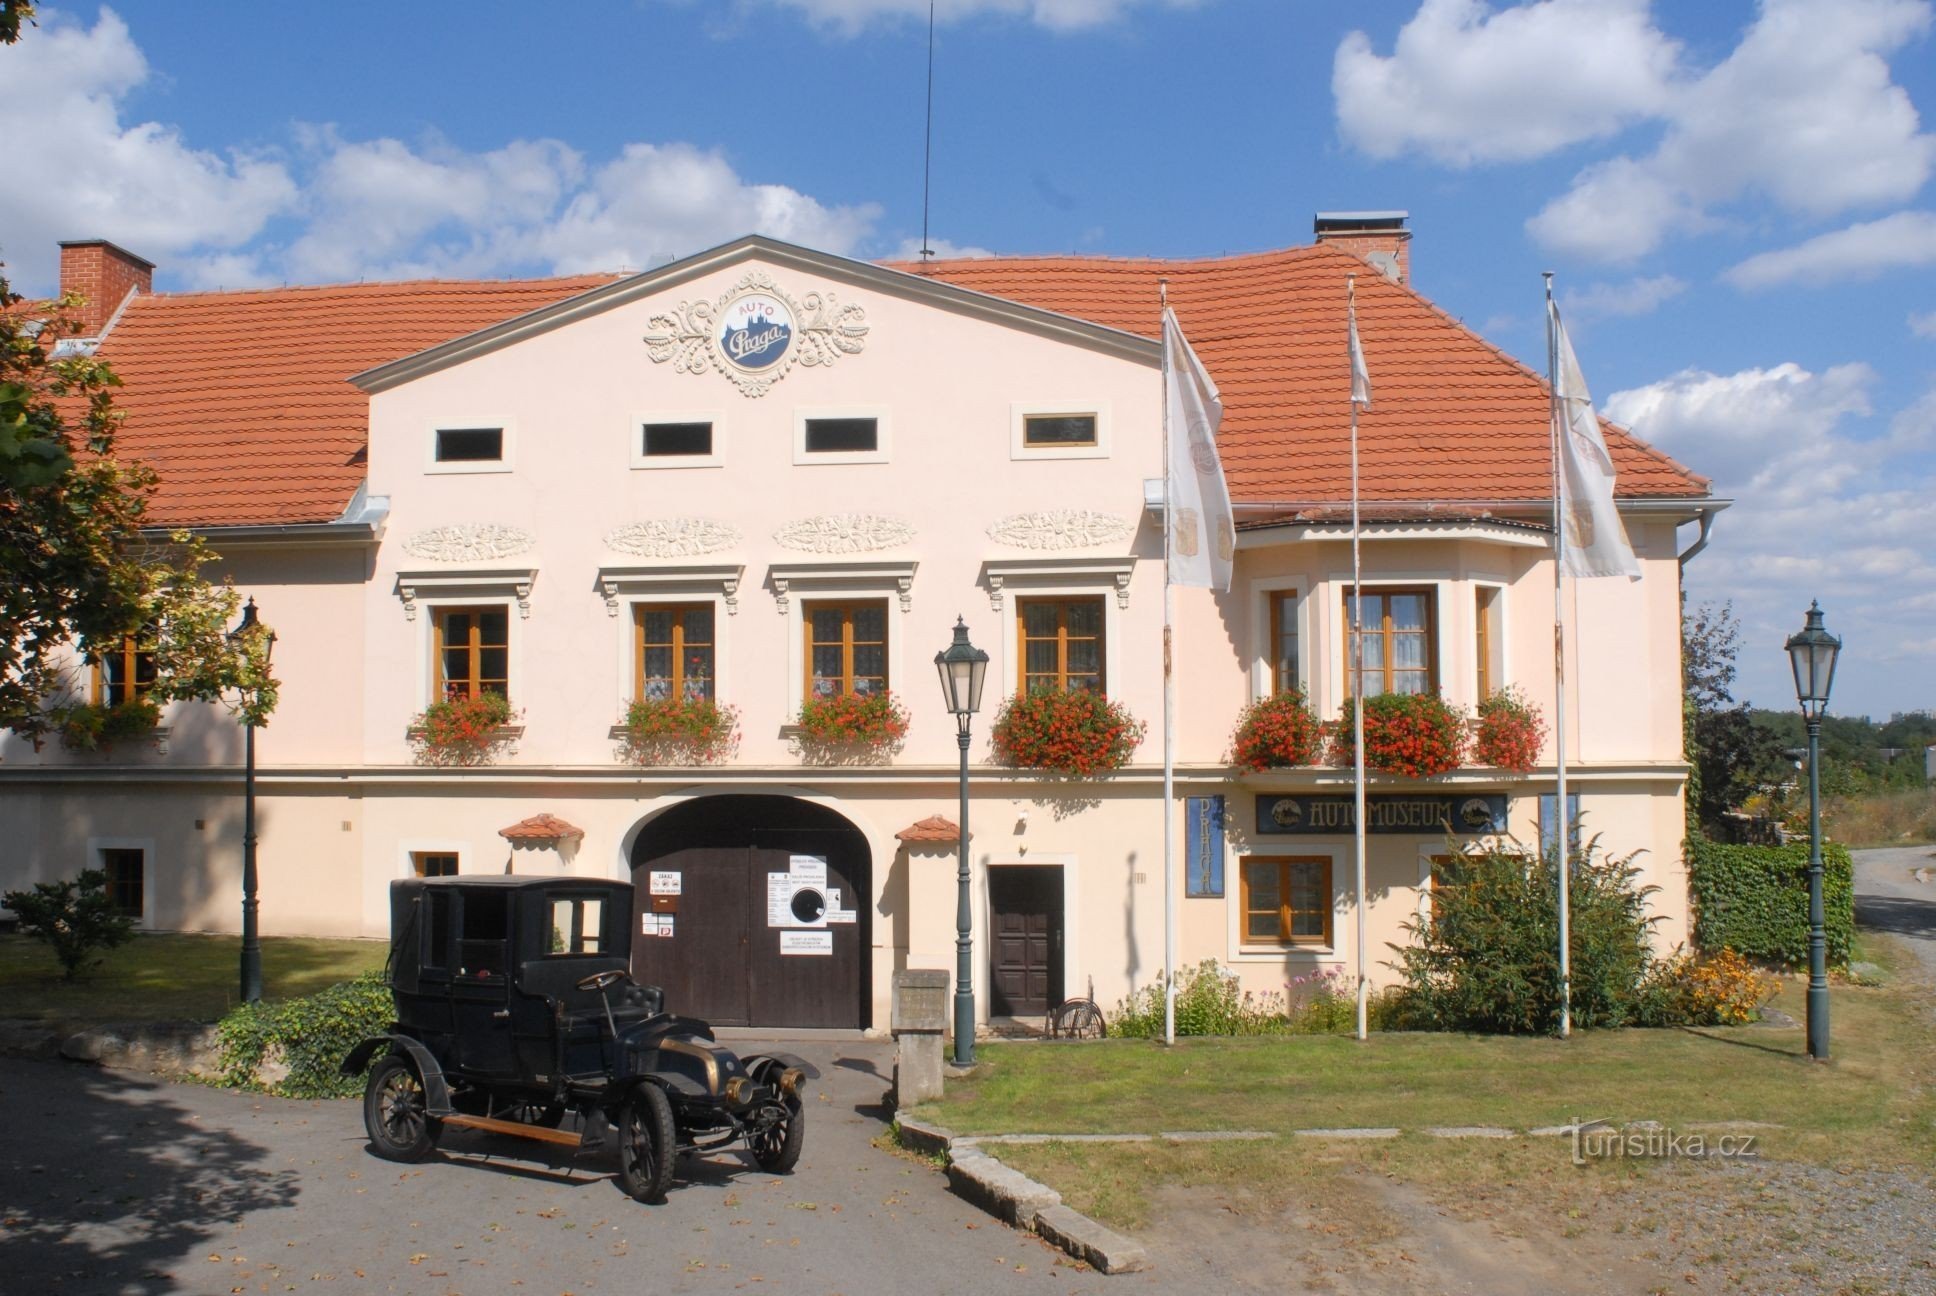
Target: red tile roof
(1452,417)
(540,828)
(932,829)
(241,401)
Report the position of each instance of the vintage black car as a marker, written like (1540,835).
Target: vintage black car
(515,1007)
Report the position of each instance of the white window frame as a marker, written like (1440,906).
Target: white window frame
(1019,413)
(427,644)
(504,463)
(883,440)
(1261,665)
(96,846)
(795,584)
(636,439)
(1241,951)
(678,594)
(1012,632)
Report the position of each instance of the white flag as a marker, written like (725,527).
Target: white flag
(1203,535)
(1360,376)
(1596,542)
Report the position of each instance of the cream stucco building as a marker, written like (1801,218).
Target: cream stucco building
(792,472)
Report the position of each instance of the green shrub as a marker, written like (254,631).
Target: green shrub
(1711,990)
(1487,957)
(1209,1001)
(310,1036)
(74,916)
(1754,900)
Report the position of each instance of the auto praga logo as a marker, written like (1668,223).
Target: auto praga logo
(755,330)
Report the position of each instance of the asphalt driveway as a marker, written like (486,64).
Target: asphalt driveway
(1891,895)
(116,1183)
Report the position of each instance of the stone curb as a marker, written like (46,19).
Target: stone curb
(1105,1249)
(1003,1192)
(1470,1131)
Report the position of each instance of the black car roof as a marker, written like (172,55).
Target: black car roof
(508,882)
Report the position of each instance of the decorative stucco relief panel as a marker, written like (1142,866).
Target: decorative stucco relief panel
(685,537)
(469,542)
(1060,529)
(844,533)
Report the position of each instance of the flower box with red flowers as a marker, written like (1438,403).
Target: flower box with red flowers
(1276,732)
(1509,733)
(464,729)
(678,731)
(852,724)
(1077,733)
(1418,735)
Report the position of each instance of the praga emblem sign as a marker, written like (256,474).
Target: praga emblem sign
(754,332)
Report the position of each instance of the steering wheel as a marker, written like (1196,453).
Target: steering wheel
(602,981)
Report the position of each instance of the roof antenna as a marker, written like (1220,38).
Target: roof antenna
(927,147)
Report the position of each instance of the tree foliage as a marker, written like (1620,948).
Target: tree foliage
(1731,755)
(78,563)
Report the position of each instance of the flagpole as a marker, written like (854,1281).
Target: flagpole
(1564,841)
(1169,721)
(1358,672)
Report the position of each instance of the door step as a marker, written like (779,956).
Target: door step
(515,1129)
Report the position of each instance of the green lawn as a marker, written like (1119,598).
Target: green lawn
(170,977)
(1872,1099)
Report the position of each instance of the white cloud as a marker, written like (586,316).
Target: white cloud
(1803,112)
(851,16)
(1466,83)
(349,209)
(1609,300)
(1923,323)
(910,250)
(1904,241)
(76,170)
(1826,506)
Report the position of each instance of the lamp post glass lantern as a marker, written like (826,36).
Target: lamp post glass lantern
(1812,654)
(963,669)
(240,637)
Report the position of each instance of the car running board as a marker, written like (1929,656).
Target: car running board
(516,1129)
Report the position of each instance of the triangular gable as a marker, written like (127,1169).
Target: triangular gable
(759,248)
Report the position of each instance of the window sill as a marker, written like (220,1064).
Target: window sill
(503,733)
(1278,951)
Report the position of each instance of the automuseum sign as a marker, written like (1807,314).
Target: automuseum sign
(1203,845)
(1417,815)
(755,331)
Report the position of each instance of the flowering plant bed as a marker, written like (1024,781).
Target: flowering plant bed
(1277,731)
(463,730)
(1419,735)
(1078,733)
(86,726)
(679,731)
(1509,732)
(852,724)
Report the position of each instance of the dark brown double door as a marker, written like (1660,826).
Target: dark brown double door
(1025,913)
(728,960)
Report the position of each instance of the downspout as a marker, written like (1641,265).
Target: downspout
(1700,541)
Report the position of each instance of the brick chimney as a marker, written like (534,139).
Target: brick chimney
(1380,237)
(103,274)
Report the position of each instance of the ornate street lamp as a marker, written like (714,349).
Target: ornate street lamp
(1812,654)
(251,940)
(963,668)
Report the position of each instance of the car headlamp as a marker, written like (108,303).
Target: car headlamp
(737,1089)
(790,1080)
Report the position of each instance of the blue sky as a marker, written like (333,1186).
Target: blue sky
(1735,196)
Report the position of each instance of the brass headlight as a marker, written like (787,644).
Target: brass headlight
(736,1089)
(790,1080)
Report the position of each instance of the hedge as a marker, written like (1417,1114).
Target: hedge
(310,1036)
(1754,900)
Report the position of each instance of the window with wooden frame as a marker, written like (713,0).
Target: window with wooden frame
(1400,647)
(126,869)
(1486,639)
(434,864)
(473,651)
(1435,874)
(1061,642)
(846,648)
(672,653)
(1287,899)
(1283,641)
(125,672)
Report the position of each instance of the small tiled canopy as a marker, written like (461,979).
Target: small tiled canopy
(539,830)
(932,829)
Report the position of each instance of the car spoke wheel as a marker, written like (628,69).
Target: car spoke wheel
(776,1148)
(395,1114)
(530,1112)
(647,1144)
